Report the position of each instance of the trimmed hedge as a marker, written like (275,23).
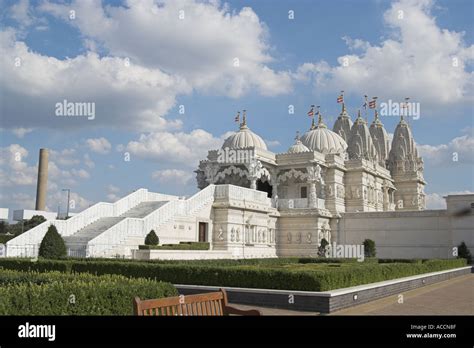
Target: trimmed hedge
(55,293)
(258,275)
(181,246)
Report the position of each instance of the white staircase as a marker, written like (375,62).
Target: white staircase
(89,224)
(77,243)
(129,233)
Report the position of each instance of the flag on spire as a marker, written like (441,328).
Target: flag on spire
(373,103)
(340,99)
(311,111)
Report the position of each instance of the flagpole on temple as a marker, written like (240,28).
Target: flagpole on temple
(311,114)
(365,108)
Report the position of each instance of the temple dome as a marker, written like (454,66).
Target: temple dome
(298,147)
(320,138)
(244,138)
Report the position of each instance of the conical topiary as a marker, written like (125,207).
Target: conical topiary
(152,238)
(52,246)
(464,252)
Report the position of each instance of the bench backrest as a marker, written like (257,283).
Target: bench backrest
(213,303)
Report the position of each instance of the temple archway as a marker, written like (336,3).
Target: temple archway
(265,187)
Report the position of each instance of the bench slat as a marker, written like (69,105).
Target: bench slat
(214,303)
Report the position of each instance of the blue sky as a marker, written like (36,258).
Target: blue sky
(393,50)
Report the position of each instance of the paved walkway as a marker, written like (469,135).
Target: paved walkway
(450,297)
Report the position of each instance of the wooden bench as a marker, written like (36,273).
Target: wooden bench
(212,303)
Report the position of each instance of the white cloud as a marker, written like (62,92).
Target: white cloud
(419,60)
(16,174)
(201,46)
(112,193)
(437,201)
(21,132)
(14,171)
(81,173)
(272,143)
(459,149)
(65,157)
(99,145)
(21,13)
(183,148)
(88,161)
(151,57)
(173,176)
(124,96)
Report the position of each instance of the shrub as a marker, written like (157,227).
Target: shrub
(5,238)
(52,246)
(369,248)
(54,293)
(33,222)
(463,252)
(152,238)
(322,248)
(181,246)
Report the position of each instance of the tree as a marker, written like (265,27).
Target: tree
(322,248)
(152,238)
(369,248)
(52,246)
(463,252)
(3,227)
(33,222)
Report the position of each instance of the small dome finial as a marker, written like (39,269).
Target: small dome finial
(320,119)
(297,136)
(244,119)
(404,107)
(313,125)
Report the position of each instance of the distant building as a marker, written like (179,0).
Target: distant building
(4,213)
(26,214)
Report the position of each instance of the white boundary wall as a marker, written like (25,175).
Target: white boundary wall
(412,234)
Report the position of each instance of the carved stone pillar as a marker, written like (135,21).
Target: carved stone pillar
(275,194)
(253,182)
(313,199)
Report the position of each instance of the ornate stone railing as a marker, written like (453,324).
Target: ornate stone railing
(241,193)
(298,203)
